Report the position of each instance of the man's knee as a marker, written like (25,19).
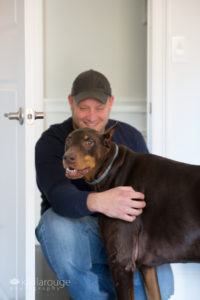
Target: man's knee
(64,241)
(54,227)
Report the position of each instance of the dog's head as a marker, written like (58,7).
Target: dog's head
(85,149)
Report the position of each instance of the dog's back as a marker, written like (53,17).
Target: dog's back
(169,228)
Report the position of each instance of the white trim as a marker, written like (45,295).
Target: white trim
(157,73)
(59,105)
(149,70)
(33,95)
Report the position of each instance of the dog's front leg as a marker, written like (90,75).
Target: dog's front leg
(123,281)
(121,266)
(150,279)
(119,238)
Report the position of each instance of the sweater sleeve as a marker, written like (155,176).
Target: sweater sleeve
(65,197)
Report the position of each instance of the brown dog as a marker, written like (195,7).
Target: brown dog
(168,230)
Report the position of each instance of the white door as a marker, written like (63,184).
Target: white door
(16,151)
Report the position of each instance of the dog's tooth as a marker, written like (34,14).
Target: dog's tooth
(70,171)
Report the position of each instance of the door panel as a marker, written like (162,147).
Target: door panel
(8,176)
(12,152)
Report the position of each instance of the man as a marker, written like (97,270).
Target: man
(68,229)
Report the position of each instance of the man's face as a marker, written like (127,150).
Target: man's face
(90,113)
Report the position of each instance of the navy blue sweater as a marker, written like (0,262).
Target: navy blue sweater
(68,197)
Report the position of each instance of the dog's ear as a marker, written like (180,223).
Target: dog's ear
(109,133)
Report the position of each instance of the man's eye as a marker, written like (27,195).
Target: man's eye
(83,108)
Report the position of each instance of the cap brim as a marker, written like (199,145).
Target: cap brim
(98,95)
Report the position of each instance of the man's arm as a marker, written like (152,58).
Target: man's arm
(65,198)
(117,203)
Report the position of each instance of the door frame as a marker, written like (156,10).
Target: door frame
(33,18)
(157,55)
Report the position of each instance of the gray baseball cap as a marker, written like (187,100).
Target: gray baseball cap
(91,84)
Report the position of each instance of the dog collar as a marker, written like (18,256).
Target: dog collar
(106,171)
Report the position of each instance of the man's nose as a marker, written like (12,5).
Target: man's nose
(91,116)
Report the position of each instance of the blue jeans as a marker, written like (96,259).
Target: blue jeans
(75,252)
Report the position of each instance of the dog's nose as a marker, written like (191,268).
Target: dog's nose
(69,158)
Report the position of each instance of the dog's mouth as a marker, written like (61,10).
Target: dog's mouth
(72,173)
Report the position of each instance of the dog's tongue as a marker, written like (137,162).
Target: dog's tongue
(76,173)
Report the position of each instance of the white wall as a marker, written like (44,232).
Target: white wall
(183,115)
(109,36)
(175,94)
(174,84)
(183,84)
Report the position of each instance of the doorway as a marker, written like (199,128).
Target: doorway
(108,36)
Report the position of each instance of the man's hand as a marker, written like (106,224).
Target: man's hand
(117,203)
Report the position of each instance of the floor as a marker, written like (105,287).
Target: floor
(47,287)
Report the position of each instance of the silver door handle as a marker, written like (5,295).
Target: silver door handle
(16,115)
(32,115)
(39,115)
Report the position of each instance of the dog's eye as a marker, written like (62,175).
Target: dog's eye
(88,143)
(67,141)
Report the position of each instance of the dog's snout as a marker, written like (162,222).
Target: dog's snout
(69,157)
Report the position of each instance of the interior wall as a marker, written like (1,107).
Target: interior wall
(109,36)
(182,82)
(175,74)
(183,111)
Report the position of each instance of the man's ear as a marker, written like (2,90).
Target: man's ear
(109,133)
(70,99)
